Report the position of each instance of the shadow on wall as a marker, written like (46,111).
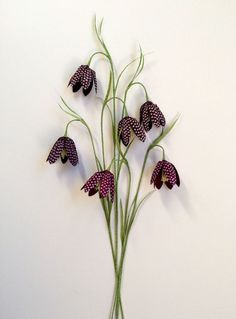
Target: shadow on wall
(180,195)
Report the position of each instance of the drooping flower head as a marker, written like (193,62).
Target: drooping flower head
(165,172)
(124,129)
(65,149)
(84,77)
(151,114)
(102,182)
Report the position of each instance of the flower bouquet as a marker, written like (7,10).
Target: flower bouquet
(119,211)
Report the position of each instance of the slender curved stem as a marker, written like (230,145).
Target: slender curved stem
(122,72)
(163,151)
(78,118)
(102,113)
(133,206)
(67,125)
(93,55)
(143,86)
(99,166)
(68,107)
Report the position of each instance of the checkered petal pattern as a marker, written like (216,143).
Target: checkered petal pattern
(84,77)
(165,172)
(92,182)
(101,181)
(95,81)
(112,186)
(107,184)
(71,151)
(171,174)
(138,129)
(56,150)
(156,171)
(151,114)
(124,129)
(67,145)
(145,118)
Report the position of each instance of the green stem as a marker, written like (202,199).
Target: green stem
(102,113)
(119,276)
(124,241)
(163,151)
(133,206)
(140,180)
(79,119)
(111,243)
(122,72)
(124,160)
(93,55)
(98,164)
(143,86)
(114,133)
(114,146)
(67,125)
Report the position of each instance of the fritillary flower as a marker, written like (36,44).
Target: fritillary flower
(165,172)
(125,126)
(150,114)
(84,77)
(102,182)
(65,149)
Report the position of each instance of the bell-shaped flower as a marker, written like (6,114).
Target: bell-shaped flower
(65,149)
(102,182)
(125,126)
(165,172)
(84,77)
(150,114)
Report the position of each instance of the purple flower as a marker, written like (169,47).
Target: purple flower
(64,148)
(102,182)
(151,114)
(165,172)
(124,129)
(84,77)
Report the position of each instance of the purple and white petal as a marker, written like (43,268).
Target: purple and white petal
(156,171)
(83,77)
(151,114)
(56,150)
(145,117)
(104,185)
(87,78)
(77,75)
(138,129)
(95,81)
(124,130)
(169,171)
(92,182)
(71,151)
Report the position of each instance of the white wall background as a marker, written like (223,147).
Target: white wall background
(55,257)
